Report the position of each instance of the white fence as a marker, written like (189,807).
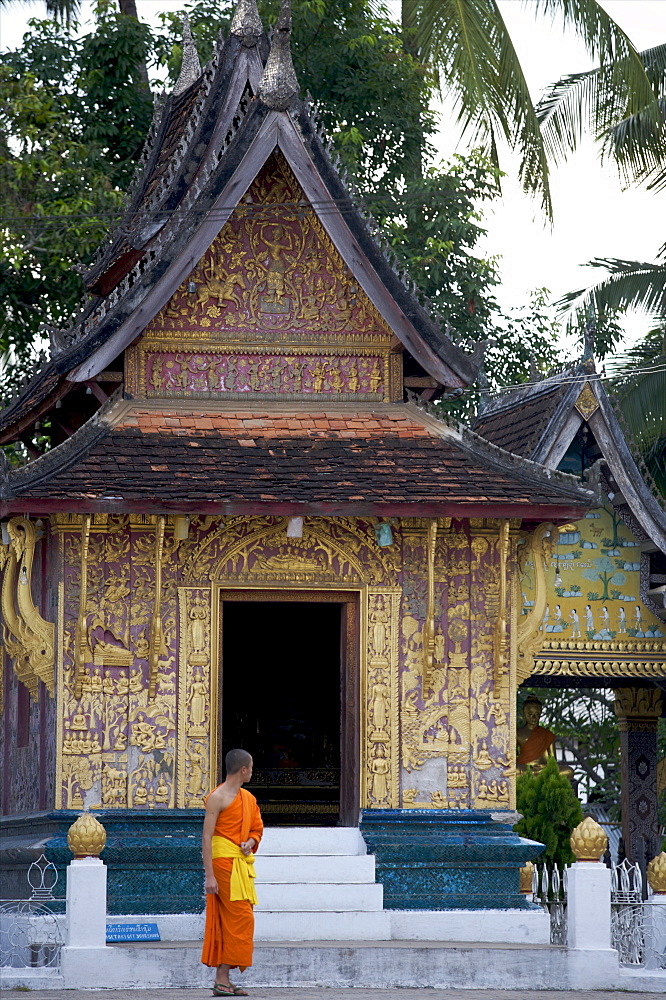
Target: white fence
(638,926)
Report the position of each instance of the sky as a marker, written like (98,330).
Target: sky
(593,215)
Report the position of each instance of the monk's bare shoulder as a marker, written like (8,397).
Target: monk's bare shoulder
(219,799)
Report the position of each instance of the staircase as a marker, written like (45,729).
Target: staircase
(318,885)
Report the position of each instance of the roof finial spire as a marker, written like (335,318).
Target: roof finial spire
(279,85)
(190,69)
(589,335)
(246,23)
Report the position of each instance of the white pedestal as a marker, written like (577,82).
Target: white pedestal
(86,904)
(593,964)
(85,957)
(655,931)
(588,906)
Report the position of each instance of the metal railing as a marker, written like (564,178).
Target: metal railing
(30,932)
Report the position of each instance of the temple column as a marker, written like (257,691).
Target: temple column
(638,710)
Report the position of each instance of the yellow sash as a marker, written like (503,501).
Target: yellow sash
(242,870)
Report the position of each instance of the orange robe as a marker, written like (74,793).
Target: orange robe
(228,937)
(535,745)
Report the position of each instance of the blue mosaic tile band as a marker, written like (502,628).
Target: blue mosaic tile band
(429,859)
(153,858)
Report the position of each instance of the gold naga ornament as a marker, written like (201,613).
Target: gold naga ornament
(86,837)
(588,841)
(656,874)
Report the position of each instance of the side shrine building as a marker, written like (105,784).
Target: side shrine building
(246,535)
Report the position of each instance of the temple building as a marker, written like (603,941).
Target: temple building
(252,530)
(600,598)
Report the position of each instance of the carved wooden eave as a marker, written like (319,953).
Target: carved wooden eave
(570,399)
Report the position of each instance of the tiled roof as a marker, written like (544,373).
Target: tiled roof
(519,425)
(389,454)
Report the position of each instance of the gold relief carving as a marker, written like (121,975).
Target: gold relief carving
(114,786)
(637,704)
(638,701)
(489,792)
(380,765)
(78,773)
(150,784)
(600,668)
(224,371)
(482,759)
(28,638)
(537,546)
(196,715)
(587,403)
(330,551)
(109,720)
(615,646)
(266,279)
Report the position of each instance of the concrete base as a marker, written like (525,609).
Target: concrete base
(382,965)
(642,981)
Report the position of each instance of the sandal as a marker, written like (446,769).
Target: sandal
(222,990)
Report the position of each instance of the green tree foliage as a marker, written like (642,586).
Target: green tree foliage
(550,812)
(73,117)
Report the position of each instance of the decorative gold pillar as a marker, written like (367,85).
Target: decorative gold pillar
(638,710)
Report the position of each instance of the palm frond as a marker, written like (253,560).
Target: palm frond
(630,284)
(481,72)
(64,11)
(602,102)
(605,40)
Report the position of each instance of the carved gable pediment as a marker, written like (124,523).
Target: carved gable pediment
(270,309)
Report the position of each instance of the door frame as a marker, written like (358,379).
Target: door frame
(350,674)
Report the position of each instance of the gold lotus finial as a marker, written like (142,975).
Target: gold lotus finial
(588,840)
(526,873)
(656,874)
(86,836)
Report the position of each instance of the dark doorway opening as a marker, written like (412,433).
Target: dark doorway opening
(284,685)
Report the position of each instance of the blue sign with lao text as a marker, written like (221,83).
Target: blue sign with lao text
(132,932)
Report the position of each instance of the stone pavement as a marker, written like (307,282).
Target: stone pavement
(287,993)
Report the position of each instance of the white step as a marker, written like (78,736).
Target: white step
(350,926)
(320,897)
(330,869)
(301,840)
(530,927)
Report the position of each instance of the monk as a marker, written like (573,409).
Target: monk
(231,834)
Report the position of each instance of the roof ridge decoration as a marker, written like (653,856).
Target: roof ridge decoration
(190,69)
(246,23)
(572,374)
(279,86)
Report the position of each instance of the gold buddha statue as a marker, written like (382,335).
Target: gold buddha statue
(535,743)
